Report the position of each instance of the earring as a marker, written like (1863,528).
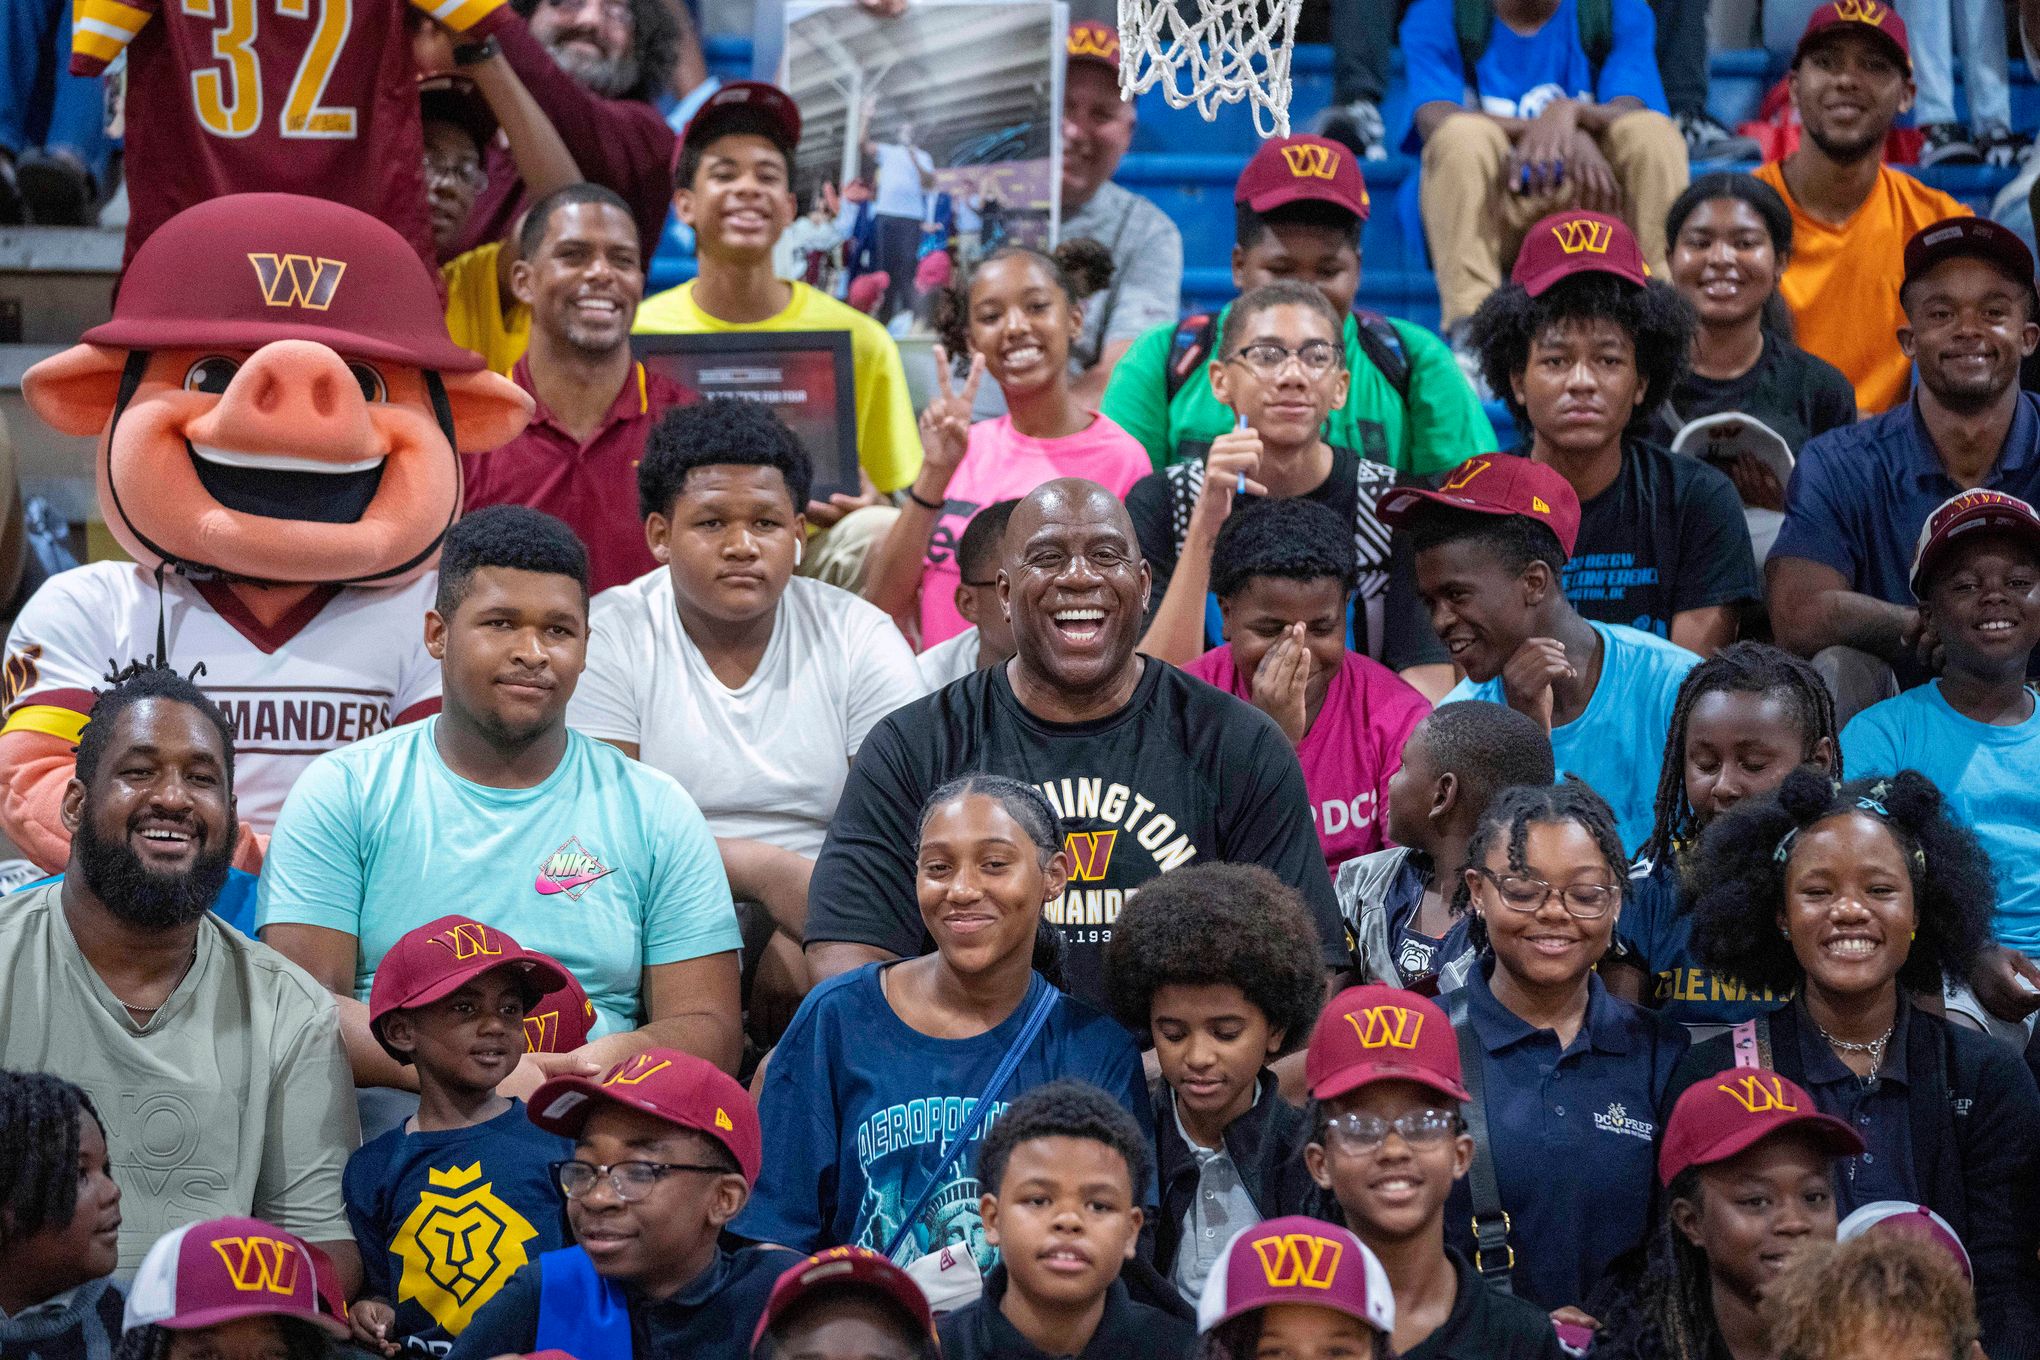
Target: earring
(1914,936)
(661,554)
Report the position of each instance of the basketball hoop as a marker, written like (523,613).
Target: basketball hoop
(1226,50)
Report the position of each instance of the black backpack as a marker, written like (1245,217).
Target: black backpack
(1196,337)
(1473,21)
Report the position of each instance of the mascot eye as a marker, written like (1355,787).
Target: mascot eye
(372,388)
(211,374)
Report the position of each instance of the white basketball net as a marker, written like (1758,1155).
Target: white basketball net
(1226,51)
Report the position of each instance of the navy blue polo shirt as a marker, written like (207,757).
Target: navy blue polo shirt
(1880,1110)
(1575,1135)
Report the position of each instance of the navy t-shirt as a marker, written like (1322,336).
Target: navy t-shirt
(859,1107)
(1657,930)
(445,1219)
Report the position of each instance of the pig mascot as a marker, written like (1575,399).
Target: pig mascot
(280,417)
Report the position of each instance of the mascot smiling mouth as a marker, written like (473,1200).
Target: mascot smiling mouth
(279,487)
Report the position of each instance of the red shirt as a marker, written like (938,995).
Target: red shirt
(592,486)
(312,97)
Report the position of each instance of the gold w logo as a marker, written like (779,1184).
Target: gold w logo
(1310,161)
(1862,11)
(1087,41)
(469,939)
(1090,853)
(1387,1026)
(298,280)
(540,1031)
(1580,234)
(1295,1259)
(1759,1096)
(635,1070)
(260,1264)
(1471,469)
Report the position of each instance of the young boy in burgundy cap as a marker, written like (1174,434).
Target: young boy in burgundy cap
(666,1149)
(454,999)
(1384,1070)
(1296,1286)
(231,1288)
(846,1303)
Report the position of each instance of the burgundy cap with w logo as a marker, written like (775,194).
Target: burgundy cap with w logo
(1302,169)
(667,1084)
(439,958)
(1297,1260)
(1735,1110)
(204,1274)
(1494,484)
(1376,1033)
(1578,242)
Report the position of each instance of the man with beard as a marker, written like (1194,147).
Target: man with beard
(1851,214)
(215,1062)
(580,275)
(1839,576)
(1147,768)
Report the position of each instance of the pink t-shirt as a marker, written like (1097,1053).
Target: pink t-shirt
(1003,464)
(1349,752)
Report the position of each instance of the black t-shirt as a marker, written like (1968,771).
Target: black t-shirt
(1486,1324)
(1126,1330)
(1184,773)
(1396,634)
(1666,536)
(1795,393)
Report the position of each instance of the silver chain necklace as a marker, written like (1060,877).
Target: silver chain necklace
(1875,1048)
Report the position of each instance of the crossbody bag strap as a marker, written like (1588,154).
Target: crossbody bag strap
(1493,1257)
(1752,1042)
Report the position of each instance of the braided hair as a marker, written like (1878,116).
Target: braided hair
(1742,668)
(302,1340)
(1508,820)
(41,1119)
(1666,1311)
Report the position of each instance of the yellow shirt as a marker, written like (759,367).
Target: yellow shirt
(474,310)
(888,444)
(1842,282)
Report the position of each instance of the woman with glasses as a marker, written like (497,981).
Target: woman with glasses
(1570,1084)
(1280,367)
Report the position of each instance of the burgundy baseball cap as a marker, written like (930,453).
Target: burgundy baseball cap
(1297,1260)
(1976,237)
(844,1269)
(758,96)
(242,270)
(1302,169)
(1090,40)
(666,1084)
(1963,512)
(223,1269)
(562,1020)
(1578,242)
(1858,16)
(439,958)
(1904,1218)
(1376,1033)
(1494,484)
(1733,1111)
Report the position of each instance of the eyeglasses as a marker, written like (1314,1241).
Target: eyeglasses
(469,173)
(1267,359)
(631,1181)
(616,11)
(1586,901)
(1360,1134)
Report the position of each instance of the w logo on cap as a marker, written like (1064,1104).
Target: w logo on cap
(1861,11)
(468,940)
(1759,1095)
(631,1071)
(1468,470)
(1583,234)
(260,1264)
(1299,1260)
(1387,1026)
(298,280)
(1093,40)
(1307,160)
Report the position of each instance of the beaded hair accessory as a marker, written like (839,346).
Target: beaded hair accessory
(1871,802)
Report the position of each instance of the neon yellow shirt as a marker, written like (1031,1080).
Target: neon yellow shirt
(474,310)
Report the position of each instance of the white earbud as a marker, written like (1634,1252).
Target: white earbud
(799,550)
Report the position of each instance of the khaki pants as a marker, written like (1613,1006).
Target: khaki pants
(1475,225)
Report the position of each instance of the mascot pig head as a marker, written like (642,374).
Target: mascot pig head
(278,404)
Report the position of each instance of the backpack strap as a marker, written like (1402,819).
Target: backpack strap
(1471,21)
(1493,1257)
(1189,349)
(1597,33)
(1751,1042)
(1383,345)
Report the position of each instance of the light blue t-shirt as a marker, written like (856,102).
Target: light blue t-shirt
(607,865)
(1618,744)
(1990,777)
(1519,74)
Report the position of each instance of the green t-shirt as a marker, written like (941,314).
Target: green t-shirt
(1441,426)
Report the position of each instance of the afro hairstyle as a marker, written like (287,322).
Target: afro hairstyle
(1287,537)
(1064,1109)
(1218,924)
(512,537)
(1874,1288)
(1658,321)
(1741,879)
(733,431)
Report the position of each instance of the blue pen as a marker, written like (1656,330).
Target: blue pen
(1241,490)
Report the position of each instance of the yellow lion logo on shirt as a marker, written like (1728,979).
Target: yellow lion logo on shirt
(459,1247)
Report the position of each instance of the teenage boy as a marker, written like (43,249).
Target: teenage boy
(1060,1171)
(1389,1144)
(1297,210)
(846,1303)
(1489,547)
(450,1001)
(666,1149)
(1398,902)
(1975,730)
(735,190)
(59,1224)
(1219,965)
(989,639)
(1584,345)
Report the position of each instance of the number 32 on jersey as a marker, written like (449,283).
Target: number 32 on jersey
(228,97)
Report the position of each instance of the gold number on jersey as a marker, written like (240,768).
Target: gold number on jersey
(229,98)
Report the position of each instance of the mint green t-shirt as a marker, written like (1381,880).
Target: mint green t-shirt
(1441,426)
(607,865)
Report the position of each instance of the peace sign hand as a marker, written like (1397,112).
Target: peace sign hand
(945,425)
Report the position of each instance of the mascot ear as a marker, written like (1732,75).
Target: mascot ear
(488,409)
(74,391)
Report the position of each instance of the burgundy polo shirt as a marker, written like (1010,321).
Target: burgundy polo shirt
(592,486)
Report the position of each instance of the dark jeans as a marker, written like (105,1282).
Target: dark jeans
(41,103)
(899,250)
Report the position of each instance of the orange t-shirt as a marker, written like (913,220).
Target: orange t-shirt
(1842,282)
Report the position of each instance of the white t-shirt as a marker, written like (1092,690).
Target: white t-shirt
(898,192)
(356,666)
(765,761)
(950,659)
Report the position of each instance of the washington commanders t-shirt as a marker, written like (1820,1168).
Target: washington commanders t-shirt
(1183,774)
